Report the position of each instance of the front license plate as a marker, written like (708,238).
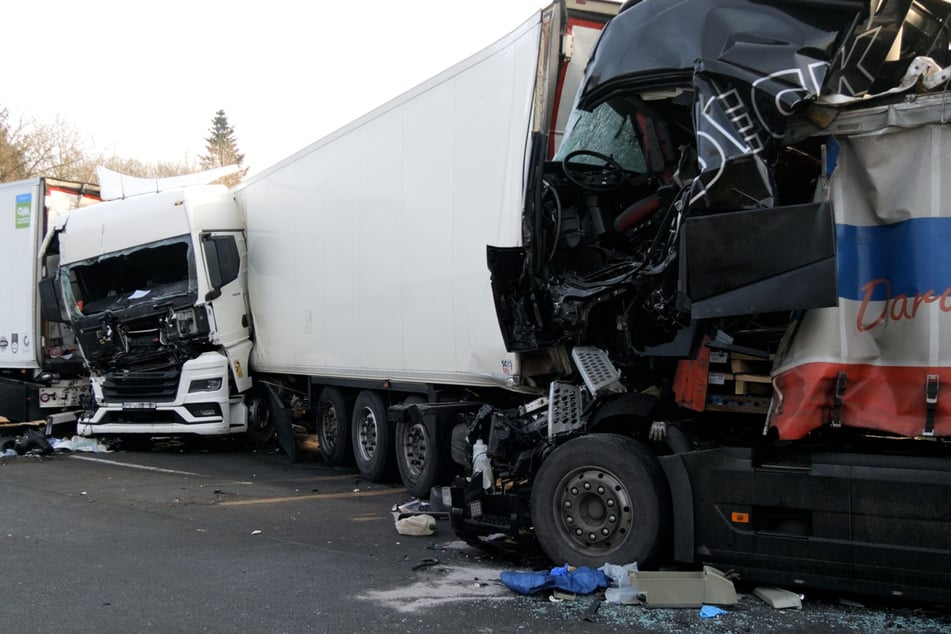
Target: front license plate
(138,405)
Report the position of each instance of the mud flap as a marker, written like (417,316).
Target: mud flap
(282,424)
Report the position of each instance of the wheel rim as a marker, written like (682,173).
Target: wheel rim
(259,415)
(415,447)
(331,427)
(593,510)
(368,434)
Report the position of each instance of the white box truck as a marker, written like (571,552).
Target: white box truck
(710,328)
(41,370)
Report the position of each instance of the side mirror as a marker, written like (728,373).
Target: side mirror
(223,261)
(51,307)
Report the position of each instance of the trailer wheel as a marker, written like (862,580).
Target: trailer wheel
(372,437)
(601,498)
(418,458)
(260,421)
(333,427)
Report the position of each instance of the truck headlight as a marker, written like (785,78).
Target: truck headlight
(204,385)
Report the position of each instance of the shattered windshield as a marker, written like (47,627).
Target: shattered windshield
(607,131)
(160,270)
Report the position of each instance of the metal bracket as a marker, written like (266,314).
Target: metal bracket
(565,404)
(599,374)
(931,404)
(841,379)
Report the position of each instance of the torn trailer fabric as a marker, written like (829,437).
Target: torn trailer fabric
(881,359)
(581,580)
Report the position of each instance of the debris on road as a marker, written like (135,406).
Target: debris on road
(79,443)
(428,562)
(580,580)
(778,598)
(711,612)
(416,525)
(32,442)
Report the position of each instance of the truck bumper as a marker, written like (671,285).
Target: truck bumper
(476,514)
(201,405)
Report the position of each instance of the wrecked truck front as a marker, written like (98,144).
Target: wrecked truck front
(678,206)
(676,195)
(148,284)
(674,171)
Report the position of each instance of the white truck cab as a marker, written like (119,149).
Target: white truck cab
(155,288)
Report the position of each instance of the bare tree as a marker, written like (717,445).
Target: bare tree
(11,155)
(29,149)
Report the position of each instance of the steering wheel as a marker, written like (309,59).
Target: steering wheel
(608,177)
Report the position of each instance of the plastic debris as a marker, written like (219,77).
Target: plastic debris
(620,575)
(79,443)
(416,525)
(711,612)
(417,507)
(628,595)
(777,598)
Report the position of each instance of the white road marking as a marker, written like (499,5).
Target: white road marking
(137,466)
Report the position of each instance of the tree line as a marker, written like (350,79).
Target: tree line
(30,149)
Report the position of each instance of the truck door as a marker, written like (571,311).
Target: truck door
(226,260)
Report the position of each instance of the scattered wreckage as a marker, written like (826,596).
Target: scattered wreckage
(711,329)
(740,243)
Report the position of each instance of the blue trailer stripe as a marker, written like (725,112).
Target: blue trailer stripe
(904,258)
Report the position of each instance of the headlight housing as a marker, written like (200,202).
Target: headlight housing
(205,385)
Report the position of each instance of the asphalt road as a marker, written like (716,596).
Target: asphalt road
(219,538)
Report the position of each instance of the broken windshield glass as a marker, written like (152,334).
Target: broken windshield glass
(606,131)
(158,271)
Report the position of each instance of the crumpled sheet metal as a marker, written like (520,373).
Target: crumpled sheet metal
(751,64)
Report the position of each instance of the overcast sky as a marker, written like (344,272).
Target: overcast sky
(144,79)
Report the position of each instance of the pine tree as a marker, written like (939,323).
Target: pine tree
(221,149)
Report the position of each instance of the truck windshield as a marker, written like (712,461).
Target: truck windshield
(607,130)
(160,270)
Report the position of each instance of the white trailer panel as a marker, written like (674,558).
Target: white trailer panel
(367,248)
(20,233)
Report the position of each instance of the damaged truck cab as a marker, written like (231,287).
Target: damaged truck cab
(703,248)
(155,288)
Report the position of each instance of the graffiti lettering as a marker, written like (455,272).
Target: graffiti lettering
(898,307)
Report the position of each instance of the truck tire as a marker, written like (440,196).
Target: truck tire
(333,427)
(260,418)
(372,437)
(601,498)
(418,459)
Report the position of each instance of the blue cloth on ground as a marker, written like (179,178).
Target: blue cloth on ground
(711,612)
(581,580)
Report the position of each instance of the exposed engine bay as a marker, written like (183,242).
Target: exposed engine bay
(136,310)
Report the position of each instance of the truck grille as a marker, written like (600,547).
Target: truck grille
(141,386)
